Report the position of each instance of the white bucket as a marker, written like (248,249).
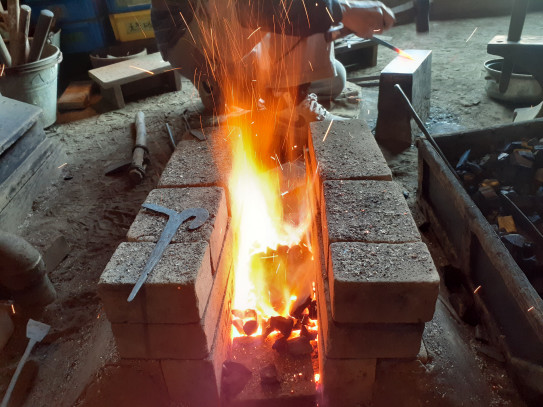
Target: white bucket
(35,83)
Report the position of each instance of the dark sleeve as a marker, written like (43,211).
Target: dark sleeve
(292,17)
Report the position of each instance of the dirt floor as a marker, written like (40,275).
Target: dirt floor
(94,211)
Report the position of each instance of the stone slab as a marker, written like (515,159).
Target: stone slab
(199,163)
(394,125)
(349,152)
(175,292)
(148,225)
(345,382)
(175,341)
(364,341)
(382,283)
(365,211)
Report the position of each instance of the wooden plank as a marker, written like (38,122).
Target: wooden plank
(76,96)
(19,152)
(14,211)
(129,71)
(15,119)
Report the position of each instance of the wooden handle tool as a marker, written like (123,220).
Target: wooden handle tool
(24,25)
(45,21)
(13,26)
(5,57)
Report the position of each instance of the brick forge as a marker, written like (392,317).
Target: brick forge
(180,320)
(377,287)
(378,284)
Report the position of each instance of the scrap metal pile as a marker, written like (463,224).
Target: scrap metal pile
(507,186)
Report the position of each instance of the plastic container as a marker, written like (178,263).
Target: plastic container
(83,36)
(67,11)
(125,6)
(132,26)
(35,83)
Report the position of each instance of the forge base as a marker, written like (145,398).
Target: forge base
(296,375)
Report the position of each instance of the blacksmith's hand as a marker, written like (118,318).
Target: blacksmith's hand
(366,18)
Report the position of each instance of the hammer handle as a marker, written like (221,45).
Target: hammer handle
(139,156)
(13,26)
(45,21)
(25,28)
(5,57)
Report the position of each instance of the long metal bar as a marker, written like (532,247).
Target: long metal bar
(423,128)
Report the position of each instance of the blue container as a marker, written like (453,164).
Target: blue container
(67,11)
(83,36)
(125,6)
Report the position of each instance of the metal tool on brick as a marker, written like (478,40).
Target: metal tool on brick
(175,220)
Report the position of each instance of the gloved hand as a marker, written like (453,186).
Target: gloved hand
(366,18)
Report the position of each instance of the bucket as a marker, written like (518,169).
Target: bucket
(35,83)
(523,87)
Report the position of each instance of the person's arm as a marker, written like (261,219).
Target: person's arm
(291,17)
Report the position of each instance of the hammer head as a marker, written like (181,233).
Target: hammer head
(200,215)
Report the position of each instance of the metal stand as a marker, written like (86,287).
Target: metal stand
(525,52)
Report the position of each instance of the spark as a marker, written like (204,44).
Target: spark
(310,65)
(188,28)
(476,290)
(317,377)
(529,309)
(279,162)
(284,193)
(250,35)
(62,166)
(13,309)
(307,15)
(2,67)
(469,38)
(328,131)
(331,18)
(141,69)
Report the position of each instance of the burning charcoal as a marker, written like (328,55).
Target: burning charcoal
(507,223)
(267,331)
(250,327)
(282,324)
(238,313)
(307,333)
(463,160)
(238,324)
(250,313)
(268,375)
(305,320)
(299,306)
(235,377)
(280,345)
(299,346)
(313,310)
